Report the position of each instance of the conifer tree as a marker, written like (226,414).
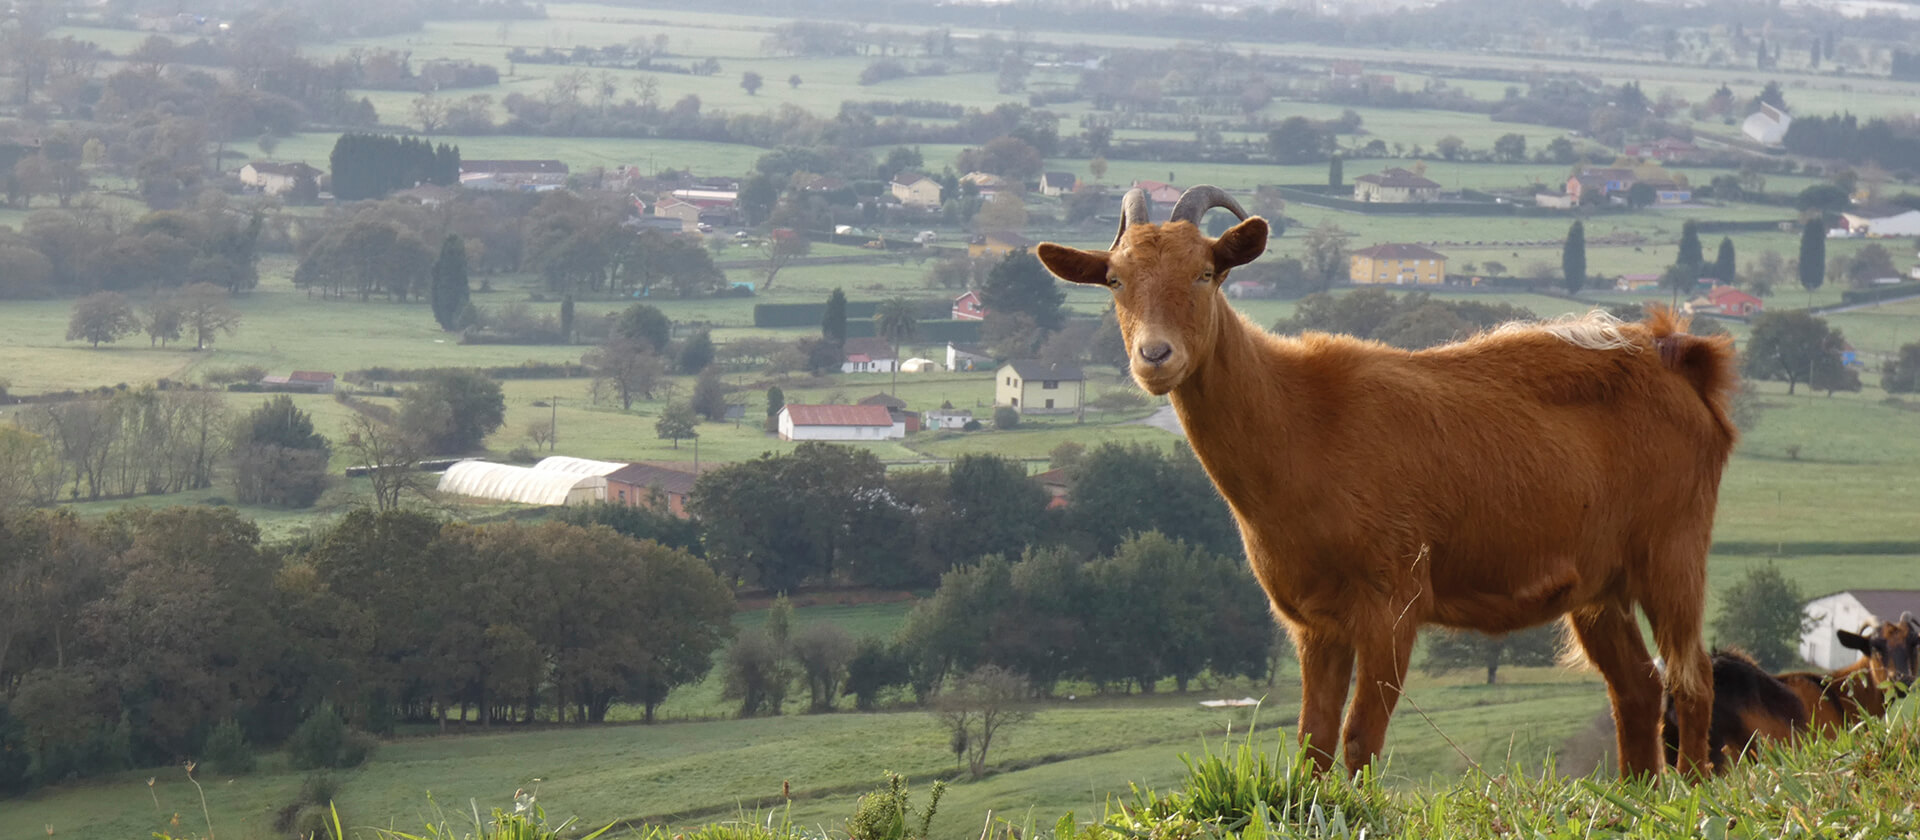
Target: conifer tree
(449,291)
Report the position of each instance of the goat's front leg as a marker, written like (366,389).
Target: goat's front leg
(1326,666)
(1383,674)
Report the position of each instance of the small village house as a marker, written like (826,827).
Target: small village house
(1056,184)
(1161,193)
(897,409)
(1852,610)
(302,381)
(685,212)
(1032,387)
(917,190)
(967,307)
(870,354)
(839,422)
(277,178)
(636,485)
(967,357)
(1395,186)
(1726,300)
(1399,264)
(948,419)
(985,184)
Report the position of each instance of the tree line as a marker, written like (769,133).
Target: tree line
(372,165)
(126,641)
(82,251)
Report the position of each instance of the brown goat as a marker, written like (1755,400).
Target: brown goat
(1533,472)
(1751,705)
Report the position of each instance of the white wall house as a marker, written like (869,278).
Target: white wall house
(1852,610)
(276,178)
(867,355)
(1031,387)
(839,422)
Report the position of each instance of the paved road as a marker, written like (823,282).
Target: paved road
(1163,418)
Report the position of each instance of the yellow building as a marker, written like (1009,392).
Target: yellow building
(1039,387)
(916,190)
(1398,264)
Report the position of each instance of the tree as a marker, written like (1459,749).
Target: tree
(391,458)
(676,422)
(162,320)
(1297,140)
(710,395)
(1336,178)
(1449,651)
(1006,418)
(644,323)
(625,368)
(1019,284)
(1792,345)
(1723,271)
(833,325)
(566,319)
(278,458)
(751,82)
(1097,167)
(1869,264)
(1641,194)
(1511,148)
(1901,375)
(783,248)
(793,81)
(779,520)
(1823,198)
(102,316)
(1573,258)
(1326,258)
(977,709)
(874,667)
(1449,147)
(823,650)
(1813,255)
(757,673)
(894,321)
(696,354)
(1690,255)
(1002,212)
(453,411)
(449,288)
(776,400)
(1761,614)
(205,313)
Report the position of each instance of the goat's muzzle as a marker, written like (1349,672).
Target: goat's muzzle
(1155,353)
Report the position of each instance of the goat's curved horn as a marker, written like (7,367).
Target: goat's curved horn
(1135,209)
(1196,201)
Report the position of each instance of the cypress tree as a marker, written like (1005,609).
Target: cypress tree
(1813,255)
(1723,264)
(1335,175)
(566,319)
(449,290)
(1690,254)
(1573,258)
(833,327)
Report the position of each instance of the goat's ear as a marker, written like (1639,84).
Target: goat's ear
(1855,641)
(1241,244)
(1074,265)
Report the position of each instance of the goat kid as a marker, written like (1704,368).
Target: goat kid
(1567,468)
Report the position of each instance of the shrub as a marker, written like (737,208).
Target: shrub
(319,788)
(324,741)
(226,751)
(1005,418)
(888,813)
(233,373)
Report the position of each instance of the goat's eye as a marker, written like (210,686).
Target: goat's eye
(1113,281)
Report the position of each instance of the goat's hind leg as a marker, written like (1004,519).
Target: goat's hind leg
(1611,639)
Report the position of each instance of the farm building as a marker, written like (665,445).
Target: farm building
(967,357)
(950,419)
(839,422)
(276,178)
(916,190)
(306,381)
(867,355)
(1395,186)
(1767,126)
(521,175)
(1881,221)
(1852,610)
(634,484)
(525,485)
(1058,183)
(967,307)
(1039,387)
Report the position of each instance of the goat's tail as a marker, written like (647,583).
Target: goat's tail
(1707,362)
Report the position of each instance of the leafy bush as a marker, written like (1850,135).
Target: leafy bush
(226,751)
(325,741)
(1005,418)
(233,373)
(888,813)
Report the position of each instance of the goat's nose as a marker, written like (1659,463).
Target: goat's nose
(1156,352)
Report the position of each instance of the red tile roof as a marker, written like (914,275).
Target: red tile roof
(1398,177)
(670,481)
(310,376)
(839,415)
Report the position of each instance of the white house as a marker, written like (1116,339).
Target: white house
(839,422)
(1033,387)
(1767,125)
(276,178)
(867,355)
(967,357)
(1851,610)
(953,419)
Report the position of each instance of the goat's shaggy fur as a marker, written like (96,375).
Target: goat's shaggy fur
(1536,471)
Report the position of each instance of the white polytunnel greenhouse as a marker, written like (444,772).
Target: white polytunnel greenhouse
(578,466)
(526,485)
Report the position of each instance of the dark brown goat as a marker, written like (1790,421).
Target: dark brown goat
(1567,468)
(1751,705)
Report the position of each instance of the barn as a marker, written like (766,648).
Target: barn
(839,422)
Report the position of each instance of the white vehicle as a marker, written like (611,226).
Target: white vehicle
(925,236)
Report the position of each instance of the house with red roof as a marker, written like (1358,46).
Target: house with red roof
(1726,300)
(967,307)
(639,485)
(870,354)
(839,422)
